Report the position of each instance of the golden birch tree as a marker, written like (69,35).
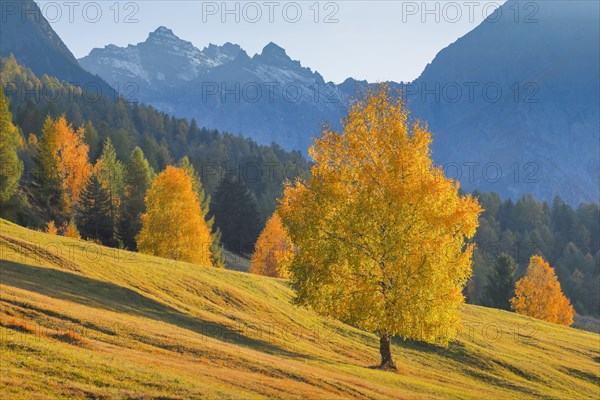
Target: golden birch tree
(380,230)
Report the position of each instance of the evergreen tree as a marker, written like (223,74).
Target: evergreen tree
(11,167)
(501,282)
(236,214)
(109,171)
(189,169)
(216,251)
(138,178)
(94,216)
(46,175)
(92,139)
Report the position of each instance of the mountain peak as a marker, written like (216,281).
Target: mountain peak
(228,49)
(162,33)
(272,50)
(163,30)
(275,55)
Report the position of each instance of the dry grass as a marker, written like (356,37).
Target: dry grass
(16,325)
(143,327)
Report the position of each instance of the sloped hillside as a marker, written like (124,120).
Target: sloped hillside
(84,321)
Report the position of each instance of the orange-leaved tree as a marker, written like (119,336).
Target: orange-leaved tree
(380,231)
(172,226)
(72,155)
(61,167)
(51,228)
(273,248)
(70,230)
(538,294)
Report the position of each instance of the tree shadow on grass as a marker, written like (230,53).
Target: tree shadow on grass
(109,296)
(480,366)
(456,351)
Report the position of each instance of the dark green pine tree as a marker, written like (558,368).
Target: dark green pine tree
(501,283)
(217,251)
(92,139)
(94,214)
(217,254)
(109,171)
(11,167)
(137,179)
(46,180)
(237,215)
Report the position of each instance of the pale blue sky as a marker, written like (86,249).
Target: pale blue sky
(373,40)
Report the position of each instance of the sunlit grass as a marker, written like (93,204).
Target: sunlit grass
(82,321)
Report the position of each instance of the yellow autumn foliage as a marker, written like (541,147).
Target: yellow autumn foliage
(70,230)
(272,249)
(172,226)
(380,230)
(538,295)
(51,228)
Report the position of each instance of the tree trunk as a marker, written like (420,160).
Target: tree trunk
(385,348)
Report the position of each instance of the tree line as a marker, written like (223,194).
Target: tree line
(164,139)
(498,264)
(510,233)
(116,204)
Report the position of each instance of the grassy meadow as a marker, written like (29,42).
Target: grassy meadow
(79,320)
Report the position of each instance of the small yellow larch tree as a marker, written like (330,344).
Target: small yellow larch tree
(172,226)
(70,230)
(272,249)
(51,228)
(538,295)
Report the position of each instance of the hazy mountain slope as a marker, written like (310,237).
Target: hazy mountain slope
(545,123)
(82,321)
(26,34)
